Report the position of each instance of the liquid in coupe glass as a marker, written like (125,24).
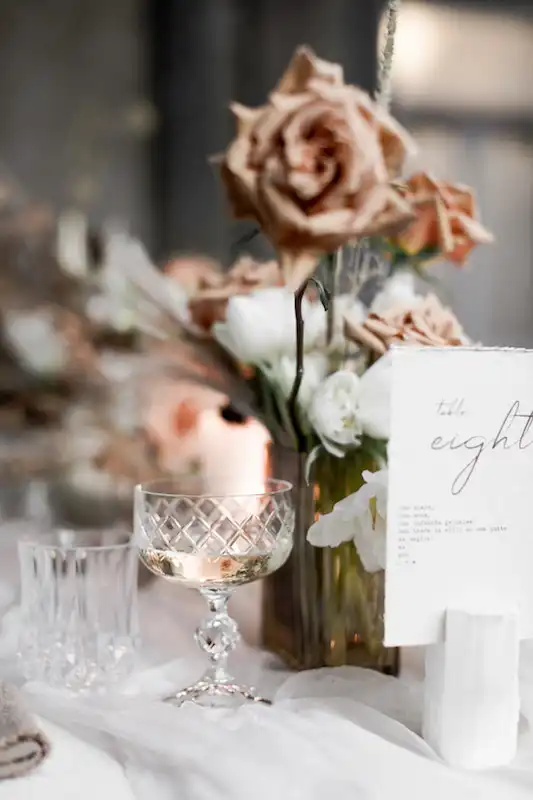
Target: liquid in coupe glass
(214,543)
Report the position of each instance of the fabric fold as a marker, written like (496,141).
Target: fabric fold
(22,745)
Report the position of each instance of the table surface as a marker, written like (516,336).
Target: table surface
(343,733)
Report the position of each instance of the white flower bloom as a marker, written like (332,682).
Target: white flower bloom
(361,517)
(260,327)
(333,411)
(105,310)
(132,282)
(72,247)
(345,406)
(398,290)
(315,370)
(34,340)
(315,325)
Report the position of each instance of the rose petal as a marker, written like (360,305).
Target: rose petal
(246,117)
(289,103)
(297,267)
(445,219)
(265,132)
(396,142)
(459,196)
(240,180)
(361,335)
(395,215)
(313,164)
(423,232)
(475,230)
(303,67)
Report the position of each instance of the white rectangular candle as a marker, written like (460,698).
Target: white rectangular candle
(471,693)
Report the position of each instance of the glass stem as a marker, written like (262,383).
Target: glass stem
(217,635)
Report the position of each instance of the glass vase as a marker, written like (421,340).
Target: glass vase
(322,609)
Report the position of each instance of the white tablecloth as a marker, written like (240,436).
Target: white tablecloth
(343,733)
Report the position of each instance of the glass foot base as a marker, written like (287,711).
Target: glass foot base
(216,695)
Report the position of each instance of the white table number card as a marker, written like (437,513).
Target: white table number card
(460,507)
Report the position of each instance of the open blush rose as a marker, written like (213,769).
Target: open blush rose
(427,323)
(209,304)
(209,288)
(171,420)
(446,221)
(194,273)
(313,166)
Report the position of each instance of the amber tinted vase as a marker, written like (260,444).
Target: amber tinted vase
(322,609)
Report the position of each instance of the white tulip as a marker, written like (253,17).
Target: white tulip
(315,370)
(398,291)
(361,517)
(345,406)
(261,327)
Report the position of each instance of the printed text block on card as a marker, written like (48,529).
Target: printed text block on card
(460,507)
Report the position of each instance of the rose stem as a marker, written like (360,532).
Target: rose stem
(292,403)
(301,494)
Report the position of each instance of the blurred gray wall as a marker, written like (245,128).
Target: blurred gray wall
(76,75)
(73,114)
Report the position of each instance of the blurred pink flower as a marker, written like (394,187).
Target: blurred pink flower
(171,421)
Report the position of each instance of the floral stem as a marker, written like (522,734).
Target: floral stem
(292,403)
(384,89)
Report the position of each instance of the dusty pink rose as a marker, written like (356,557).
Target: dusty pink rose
(171,421)
(209,287)
(195,273)
(446,222)
(208,304)
(313,166)
(427,323)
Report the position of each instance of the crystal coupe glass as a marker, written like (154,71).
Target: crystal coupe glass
(214,543)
